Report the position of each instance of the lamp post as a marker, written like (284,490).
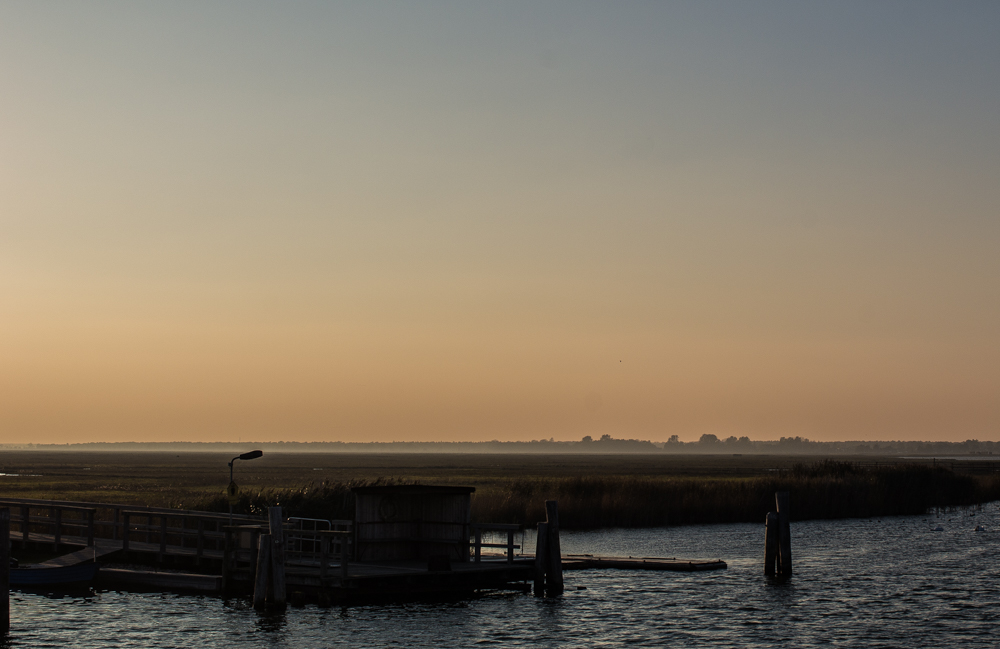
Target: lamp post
(232,490)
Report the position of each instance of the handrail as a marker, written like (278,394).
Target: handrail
(510,528)
(120,506)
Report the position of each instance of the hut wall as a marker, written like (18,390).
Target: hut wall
(412,525)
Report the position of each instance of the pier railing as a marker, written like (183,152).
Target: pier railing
(304,538)
(311,544)
(160,531)
(135,527)
(479,528)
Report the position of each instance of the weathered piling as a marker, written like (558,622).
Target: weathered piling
(554,581)
(785,536)
(263,568)
(277,557)
(541,558)
(4,571)
(227,556)
(771,541)
(324,558)
(344,556)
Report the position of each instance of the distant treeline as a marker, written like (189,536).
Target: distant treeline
(708,444)
(829,489)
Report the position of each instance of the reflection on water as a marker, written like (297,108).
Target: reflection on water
(888,582)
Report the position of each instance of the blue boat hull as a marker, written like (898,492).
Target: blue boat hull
(81,573)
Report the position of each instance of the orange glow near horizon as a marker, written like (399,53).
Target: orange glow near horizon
(321,227)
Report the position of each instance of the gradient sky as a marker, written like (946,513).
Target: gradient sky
(474,221)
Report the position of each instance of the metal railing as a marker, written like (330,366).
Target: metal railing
(510,529)
(304,538)
(87,523)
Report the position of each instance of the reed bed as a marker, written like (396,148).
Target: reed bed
(825,490)
(831,490)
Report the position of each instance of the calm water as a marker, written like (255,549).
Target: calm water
(888,582)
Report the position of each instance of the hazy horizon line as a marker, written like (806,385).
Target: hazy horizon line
(587,443)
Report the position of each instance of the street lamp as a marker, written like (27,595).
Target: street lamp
(233,490)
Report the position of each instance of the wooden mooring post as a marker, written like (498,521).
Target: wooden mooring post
(785,546)
(4,571)
(263,568)
(541,558)
(778,539)
(228,552)
(554,576)
(277,557)
(771,533)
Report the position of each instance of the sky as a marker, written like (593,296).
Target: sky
(475,221)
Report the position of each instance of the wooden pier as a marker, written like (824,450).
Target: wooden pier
(414,542)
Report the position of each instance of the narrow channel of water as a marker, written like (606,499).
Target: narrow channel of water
(891,582)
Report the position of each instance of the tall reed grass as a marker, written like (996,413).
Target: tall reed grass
(826,490)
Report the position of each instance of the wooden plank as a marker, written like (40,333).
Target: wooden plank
(590,562)
(158,580)
(498,527)
(82,556)
(80,505)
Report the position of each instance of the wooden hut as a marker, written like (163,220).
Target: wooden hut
(412,522)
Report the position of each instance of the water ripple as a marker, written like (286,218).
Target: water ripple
(858,583)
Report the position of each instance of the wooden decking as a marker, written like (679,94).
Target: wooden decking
(104,548)
(596,562)
(187,550)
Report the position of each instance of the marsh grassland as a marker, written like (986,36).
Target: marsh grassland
(593,491)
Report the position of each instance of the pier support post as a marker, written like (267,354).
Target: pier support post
(125,526)
(277,556)
(263,568)
(771,532)
(324,558)
(200,550)
(554,585)
(57,528)
(4,571)
(541,558)
(163,539)
(25,524)
(344,558)
(227,559)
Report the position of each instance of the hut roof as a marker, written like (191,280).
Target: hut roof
(413,489)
